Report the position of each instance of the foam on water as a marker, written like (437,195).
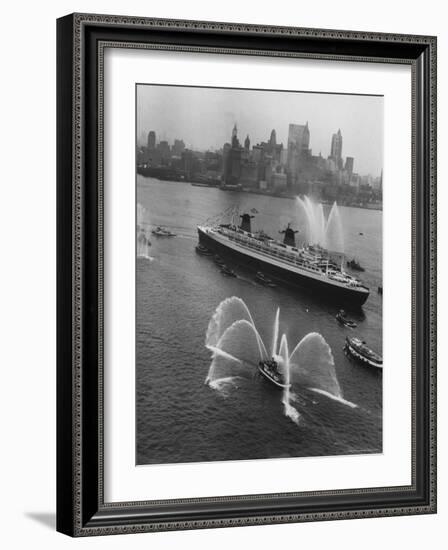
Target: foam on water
(289,410)
(224,385)
(335,398)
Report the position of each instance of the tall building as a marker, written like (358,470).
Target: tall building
(234,141)
(178,147)
(273,139)
(298,137)
(232,163)
(164,151)
(349,163)
(336,149)
(151,140)
(298,150)
(247,143)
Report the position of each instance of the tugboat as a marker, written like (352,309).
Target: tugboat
(203,250)
(227,271)
(357,348)
(261,278)
(342,319)
(269,369)
(356,266)
(162,232)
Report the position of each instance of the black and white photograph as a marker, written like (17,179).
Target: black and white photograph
(259,237)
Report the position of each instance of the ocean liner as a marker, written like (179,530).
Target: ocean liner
(309,266)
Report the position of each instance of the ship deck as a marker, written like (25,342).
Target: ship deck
(301,261)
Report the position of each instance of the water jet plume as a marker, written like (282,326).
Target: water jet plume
(312,365)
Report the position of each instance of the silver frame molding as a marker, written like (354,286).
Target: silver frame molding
(82,39)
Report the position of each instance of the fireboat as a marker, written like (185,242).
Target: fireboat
(269,369)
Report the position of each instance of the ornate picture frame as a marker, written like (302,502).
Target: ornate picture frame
(81,43)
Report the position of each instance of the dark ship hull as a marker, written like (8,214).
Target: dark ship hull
(341,295)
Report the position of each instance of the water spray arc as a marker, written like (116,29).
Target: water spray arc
(237,348)
(326,233)
(143,242)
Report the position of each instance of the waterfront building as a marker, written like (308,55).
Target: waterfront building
(257,153)
(284,157)
(278,182)
(249,174)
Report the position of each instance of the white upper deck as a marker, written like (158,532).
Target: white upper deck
(310,261)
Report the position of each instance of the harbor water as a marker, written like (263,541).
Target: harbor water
(180,417)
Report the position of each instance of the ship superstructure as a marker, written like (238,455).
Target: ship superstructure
(308,266)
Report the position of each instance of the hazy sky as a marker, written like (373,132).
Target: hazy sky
(204,118)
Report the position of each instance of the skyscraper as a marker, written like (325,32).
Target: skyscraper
(234,141)
(298,137)
(349,163)
(232,162)
(151,140)
(298,149)
(336,149)
(178,147)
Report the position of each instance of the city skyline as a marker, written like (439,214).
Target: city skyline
(208,122)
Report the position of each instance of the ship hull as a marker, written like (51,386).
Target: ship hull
(335,293)
(353,352)
(271,380)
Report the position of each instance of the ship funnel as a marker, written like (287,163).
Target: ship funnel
(289,238)
(245,222)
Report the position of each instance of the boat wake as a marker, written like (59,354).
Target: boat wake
(224,386)
(335,398)
(290,411)
(146,257)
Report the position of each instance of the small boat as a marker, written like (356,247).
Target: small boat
(361,233)
(342,319)
(261,278)
(227,271)
(356,266)
(357,348)
(218,260)
(203,250)
(269,369)
(162,232)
